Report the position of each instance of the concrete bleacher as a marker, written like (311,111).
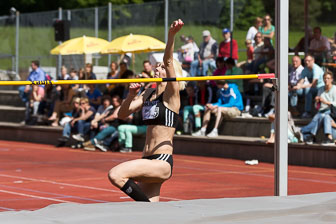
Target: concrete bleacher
(240,138)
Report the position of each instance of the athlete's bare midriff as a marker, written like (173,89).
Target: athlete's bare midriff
(159,140)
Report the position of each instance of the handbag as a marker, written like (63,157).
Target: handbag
(333,112)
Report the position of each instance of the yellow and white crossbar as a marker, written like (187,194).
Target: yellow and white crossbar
(138,80)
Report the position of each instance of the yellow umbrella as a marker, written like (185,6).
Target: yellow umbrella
(133,44)
(80,45)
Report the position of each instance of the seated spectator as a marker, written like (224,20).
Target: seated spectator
(198,97)
(36,97)
(112,74)
(63,105)
(326,96)
(83,122)
(293,83)
(249,55)
(187,51)
(121,89)
(37,74)
(102,112)
(94,96)
(294,135)
(126,132)
(267,29)
(221,68)
(232,69)
(266,55)
(206,56)
(225,46)
(73,74)
(147,71)
(64,74)
(253,30)
(229,105)
(110,124)
(319,46)
(311,79)
(89,72)
(46,106)
(68,126)
(300,46)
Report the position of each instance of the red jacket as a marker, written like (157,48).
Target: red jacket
(224,49)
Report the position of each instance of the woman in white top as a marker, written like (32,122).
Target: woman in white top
(253,30)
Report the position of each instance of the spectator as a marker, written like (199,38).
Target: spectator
(294,135)
(253,30)
(62,106)
(83,122)
(89,71)
(126,132)
(294,89)
(206,56)
(102,112)
(113,74)
(110,122)
(147,73)
(198,97)
(225,46)
(326,97)
(64,74)
(36,97)
(249,55)
(94,96)
(46,106)
(311,79)
(229,105)
(68,126)
(266,55)
(187,51)
(300,46)
(267,29)
(220,67)
(232,69)
(319,46)
(122,88)
(73,74)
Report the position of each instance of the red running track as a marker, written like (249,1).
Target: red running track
(33,176)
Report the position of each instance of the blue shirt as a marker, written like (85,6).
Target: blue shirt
(230,97)
(37,75)
(315,73)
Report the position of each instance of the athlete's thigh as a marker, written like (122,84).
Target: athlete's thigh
(144,170)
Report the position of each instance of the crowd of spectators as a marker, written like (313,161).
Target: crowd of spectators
(88,113)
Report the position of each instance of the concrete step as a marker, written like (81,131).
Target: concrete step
(10,98)
(11,114)
(241,148)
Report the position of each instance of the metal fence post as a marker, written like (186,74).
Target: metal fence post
(59,64)
(109,30)
(166,20)
(96,30)
(231,25)
(17,42)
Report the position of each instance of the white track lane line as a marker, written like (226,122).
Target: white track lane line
(75,185)
(34,196)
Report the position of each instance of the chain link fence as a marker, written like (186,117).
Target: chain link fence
(36,31)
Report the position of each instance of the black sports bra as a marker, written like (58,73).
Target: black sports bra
(156,113)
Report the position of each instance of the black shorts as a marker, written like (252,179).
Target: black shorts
(164,157)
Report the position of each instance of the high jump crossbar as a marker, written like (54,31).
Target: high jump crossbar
(137,80)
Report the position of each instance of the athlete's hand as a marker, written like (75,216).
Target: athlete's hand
(134,89)
(176,26)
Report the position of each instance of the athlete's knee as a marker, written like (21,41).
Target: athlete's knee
(116,178)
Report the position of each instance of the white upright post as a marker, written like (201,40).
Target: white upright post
(281,108)
(231,24)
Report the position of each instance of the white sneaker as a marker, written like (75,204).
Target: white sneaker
(78,137)
(213,133)
(199,133)
(125,150)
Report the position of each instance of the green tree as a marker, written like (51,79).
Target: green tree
(250,10)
